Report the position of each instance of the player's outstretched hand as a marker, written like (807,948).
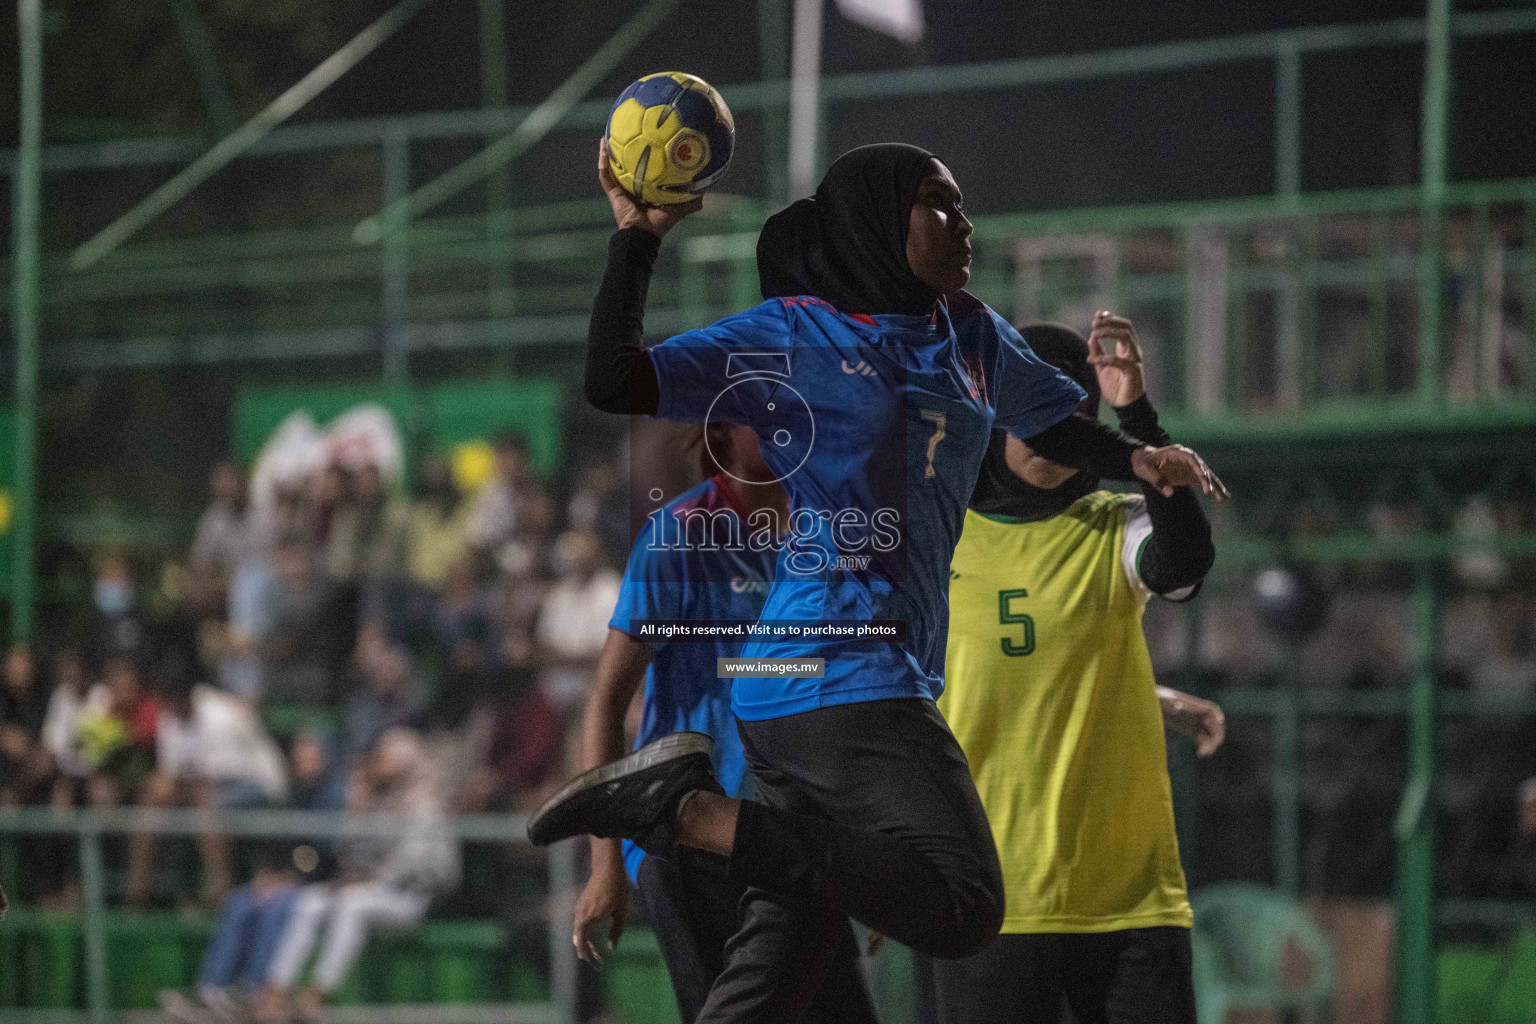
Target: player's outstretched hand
(1195,718)
(1115,354)
(1177,466)
(629,212)
(606,898)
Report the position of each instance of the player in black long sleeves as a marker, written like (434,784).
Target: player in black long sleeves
(873,381)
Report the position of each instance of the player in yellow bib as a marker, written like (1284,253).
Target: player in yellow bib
(1050,691)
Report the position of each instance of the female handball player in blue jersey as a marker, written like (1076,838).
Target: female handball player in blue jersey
(873,383)
(693,561)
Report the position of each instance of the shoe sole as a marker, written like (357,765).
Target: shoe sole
(668,748)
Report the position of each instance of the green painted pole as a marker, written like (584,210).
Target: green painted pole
(1528,278)
(1416,816)
(773,61)
(493,54)
(1288,118)
(94,883)
(211,84)
(26,196)
(396,261)
(1285,769)
(1235,387)
(494,96)
(563,968)
(1307,387)
(1380,298)
(1434,141)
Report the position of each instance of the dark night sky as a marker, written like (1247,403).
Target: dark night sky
(118,66)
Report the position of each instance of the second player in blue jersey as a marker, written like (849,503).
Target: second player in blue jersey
(687,565)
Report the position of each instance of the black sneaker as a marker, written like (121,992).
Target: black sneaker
(632,798)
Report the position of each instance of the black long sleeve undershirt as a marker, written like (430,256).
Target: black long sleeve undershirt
(620,376)
(1084,443)
(1179,553)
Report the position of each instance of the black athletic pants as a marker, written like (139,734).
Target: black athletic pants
(1136,976)
(695,909)
(868,811)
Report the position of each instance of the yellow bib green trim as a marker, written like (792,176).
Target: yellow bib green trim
(1050,691)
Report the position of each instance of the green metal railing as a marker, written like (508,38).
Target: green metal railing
(1293,269)
(89,827)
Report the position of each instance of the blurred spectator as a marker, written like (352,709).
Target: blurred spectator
(317,781)
(526,553)
(461,612)
(366,540)
(513,600)
(387,879)
(1365,642)
(326,494)
(115,623)
(211,752)
(515,737)
(1523,861)
(1476,564)
(304,646)
(461,627)
(600,504)
(226,536)
(437,534)
(494,516)
(518,770)
(286,514)
(573,619)
(116,737)
(251,921)
(25,765)
(251,605)
(61,725)
(390,696)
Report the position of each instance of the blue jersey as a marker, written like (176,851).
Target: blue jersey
(876,426)
(719,574)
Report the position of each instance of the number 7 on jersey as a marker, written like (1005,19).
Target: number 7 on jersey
(937,419)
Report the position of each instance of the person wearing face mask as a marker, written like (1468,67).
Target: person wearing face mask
(873,382)
(115,623)
(1050,693)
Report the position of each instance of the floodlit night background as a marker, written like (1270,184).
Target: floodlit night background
(1321,218)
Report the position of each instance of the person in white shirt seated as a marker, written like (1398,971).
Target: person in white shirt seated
(385,880)
(573,617)
(211,752)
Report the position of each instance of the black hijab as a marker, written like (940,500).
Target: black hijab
(847,244)
(998,491)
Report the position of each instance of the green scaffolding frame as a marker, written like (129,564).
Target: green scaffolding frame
(714,275)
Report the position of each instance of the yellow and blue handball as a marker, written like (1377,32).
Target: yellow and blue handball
(670,137)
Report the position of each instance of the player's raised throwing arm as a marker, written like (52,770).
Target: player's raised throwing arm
(620,378)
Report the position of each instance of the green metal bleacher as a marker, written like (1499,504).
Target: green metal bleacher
(1483,984)
(439,962)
